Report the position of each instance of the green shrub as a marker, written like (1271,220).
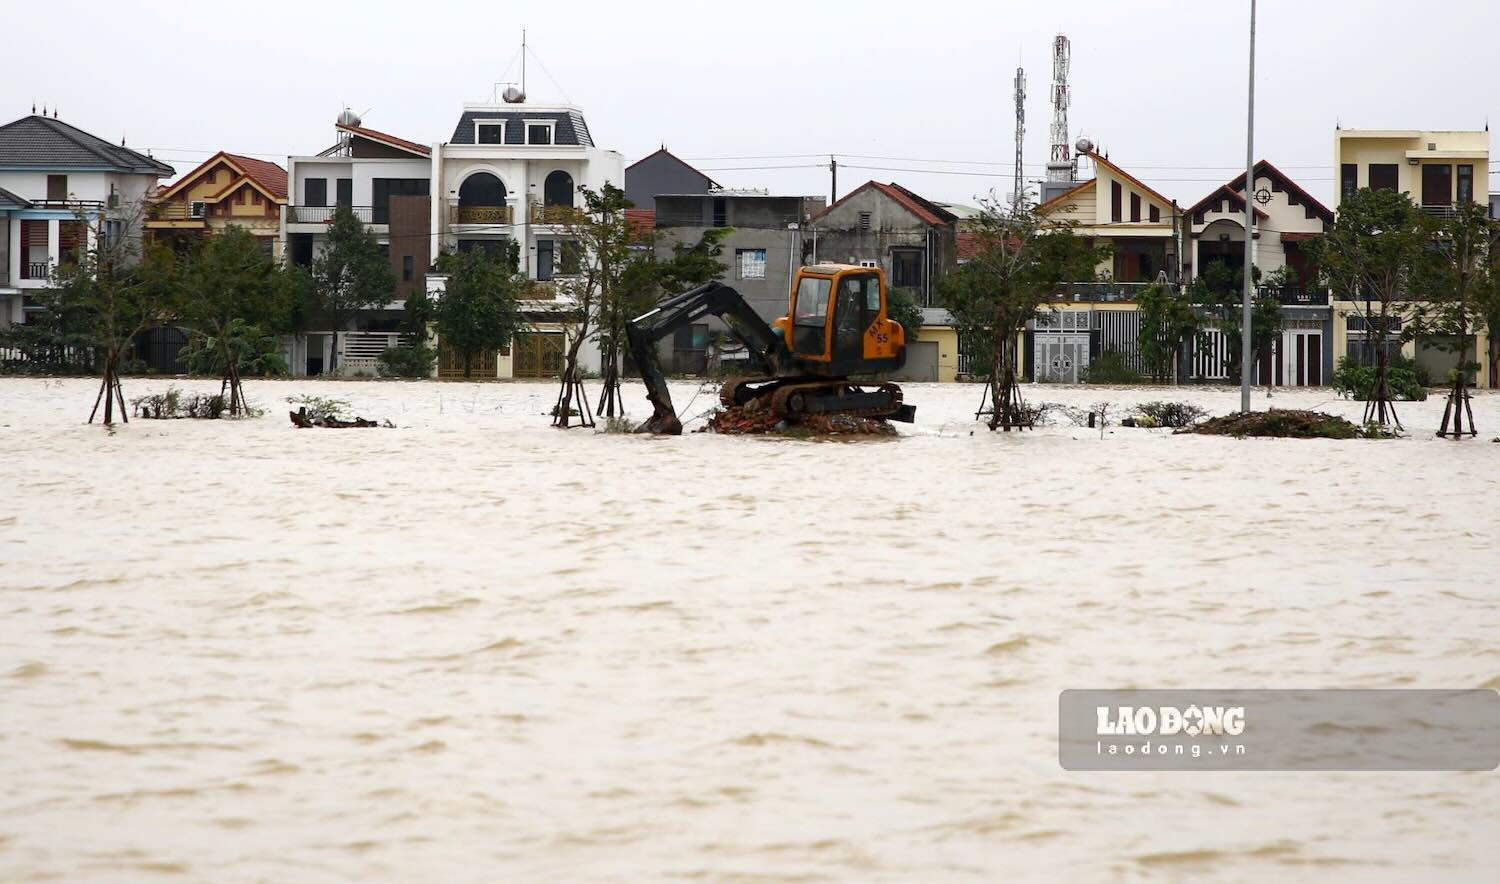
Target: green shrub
(1172,414)
(407,362)
(321,408)
(1406,380)
(1111,367)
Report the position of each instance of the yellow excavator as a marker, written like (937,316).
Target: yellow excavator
(837,327)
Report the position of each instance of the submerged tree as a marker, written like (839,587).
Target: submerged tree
(1021,259)
(480,309)
(602,235)
(235,299)
(1371,257)
(1457,282)
(1168,320)
(114,291)
(351,274)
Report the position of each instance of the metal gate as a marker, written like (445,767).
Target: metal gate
(451,363)
(1060,357)
(537,355)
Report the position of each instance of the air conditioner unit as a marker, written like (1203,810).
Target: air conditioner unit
(113,201)
(198,209)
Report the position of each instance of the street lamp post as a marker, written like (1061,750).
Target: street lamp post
(1245,367)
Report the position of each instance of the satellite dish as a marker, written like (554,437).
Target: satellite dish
(348,117)
(1084,145)
(513,94)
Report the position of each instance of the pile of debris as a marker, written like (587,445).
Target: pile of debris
(749,420)
(1284,424)
(303,420)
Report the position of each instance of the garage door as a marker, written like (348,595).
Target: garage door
(921,362)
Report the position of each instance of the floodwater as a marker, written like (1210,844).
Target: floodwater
(474,648)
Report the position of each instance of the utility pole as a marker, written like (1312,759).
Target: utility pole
(1245,366)
(833,185)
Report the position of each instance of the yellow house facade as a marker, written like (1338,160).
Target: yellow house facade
(227,189)
(1438,169)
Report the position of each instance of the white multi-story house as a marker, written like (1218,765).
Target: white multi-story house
(512,172)
(59,188)
(385,181)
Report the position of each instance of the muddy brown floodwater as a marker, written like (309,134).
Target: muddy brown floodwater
(474,648)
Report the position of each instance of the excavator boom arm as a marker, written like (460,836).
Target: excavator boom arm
(646,330)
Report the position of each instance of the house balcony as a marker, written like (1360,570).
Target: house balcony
(70,205)
(560,216)
(324,214)
(1100,292)
(1449,211)
(468,213)
(1294,295)
(36,270)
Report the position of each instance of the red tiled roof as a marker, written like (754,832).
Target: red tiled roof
(267,174)
(968,245)
(393,141)
(917,205)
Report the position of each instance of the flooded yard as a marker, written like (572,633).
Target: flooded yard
(474,648)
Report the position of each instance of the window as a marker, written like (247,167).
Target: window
(197,209)
(343,190)
(1135,207)
(382,189)
(1348,179)
(408,268)
(489,133)
(751,263)
(570,258)
(315,192)
(1465,184)
(690,349)
(57,187)
(544,253)
(1116,195)
(538,133)
(721,213)
(864,220)
(906,268)
(1155,214)
(1384,176)
(812,300)
(1437,184)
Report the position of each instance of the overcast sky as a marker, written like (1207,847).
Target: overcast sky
(1158,84)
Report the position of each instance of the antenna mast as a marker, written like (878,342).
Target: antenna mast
(523,61)
(1060,164)
(1018,195)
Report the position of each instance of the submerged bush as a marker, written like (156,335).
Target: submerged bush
(320,407)
(1403,377)
(1172,414)
(171,405)
(407,362)
(1112,367)
(1286,424)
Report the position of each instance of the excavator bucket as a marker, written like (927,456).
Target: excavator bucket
(663,420)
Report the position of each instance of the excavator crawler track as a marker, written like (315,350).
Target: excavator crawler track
(794,399)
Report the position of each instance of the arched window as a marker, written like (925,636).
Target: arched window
(558,189)
(481,189)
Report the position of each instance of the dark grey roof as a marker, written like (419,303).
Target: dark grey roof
(9,200)
(46,143)
(570,128)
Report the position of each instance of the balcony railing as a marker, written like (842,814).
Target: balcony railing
(1294,295)
(469,214)
(69,205)
(1105,292)
(1440,211)
(541,214)
(175,211)
(36,270)
(324,214)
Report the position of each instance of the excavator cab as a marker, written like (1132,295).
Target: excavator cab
(839,324)
(837,327)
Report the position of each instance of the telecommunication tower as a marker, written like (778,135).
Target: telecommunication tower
(1060,164)
(1018,194)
